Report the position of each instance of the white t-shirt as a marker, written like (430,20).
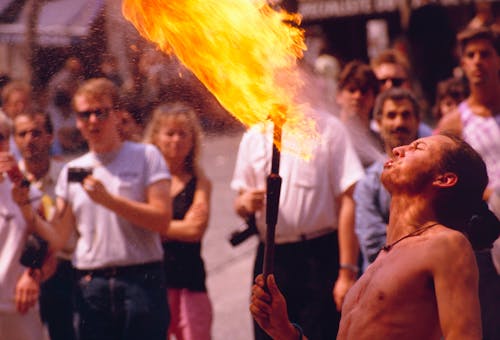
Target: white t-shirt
(13,233)
(309,187)
(105,239)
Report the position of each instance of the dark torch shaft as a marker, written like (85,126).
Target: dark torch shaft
(272,204)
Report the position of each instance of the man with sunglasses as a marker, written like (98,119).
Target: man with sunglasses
(392,69)
(118,212)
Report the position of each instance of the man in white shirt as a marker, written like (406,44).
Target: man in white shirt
(316,250)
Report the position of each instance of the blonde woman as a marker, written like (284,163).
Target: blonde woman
(175,130)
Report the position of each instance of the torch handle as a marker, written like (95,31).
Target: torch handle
(272,205)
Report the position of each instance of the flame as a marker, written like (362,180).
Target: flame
(243,51)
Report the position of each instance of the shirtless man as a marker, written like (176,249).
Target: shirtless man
(427,269)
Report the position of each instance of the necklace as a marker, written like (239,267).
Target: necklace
(417,232)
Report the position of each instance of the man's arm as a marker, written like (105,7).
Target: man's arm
(249,202)
(153,214)
(348,247)
(27,289)
(455,276)
(57,232)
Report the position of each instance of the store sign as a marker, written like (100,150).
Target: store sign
(320,9)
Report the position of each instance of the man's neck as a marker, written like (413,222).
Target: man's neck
(485,97)
(113,145)
(407,214)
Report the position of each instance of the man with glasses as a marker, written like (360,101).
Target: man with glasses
(392,69)
(119,211)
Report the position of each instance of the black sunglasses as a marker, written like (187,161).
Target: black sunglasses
(395,81)
(100,114)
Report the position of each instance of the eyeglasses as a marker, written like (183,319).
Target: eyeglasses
(394,81)
(100,114)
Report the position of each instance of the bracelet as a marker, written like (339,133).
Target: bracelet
(351,267)
(298,328)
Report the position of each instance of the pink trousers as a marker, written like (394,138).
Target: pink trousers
(191,314)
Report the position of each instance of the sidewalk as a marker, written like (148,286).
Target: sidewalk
(229,269)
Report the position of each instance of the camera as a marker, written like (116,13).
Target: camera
(78,174)
(34,252)
(239,236)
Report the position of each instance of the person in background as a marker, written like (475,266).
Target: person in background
(357,89)
(16,98)
(316,252)
(392,69)
(130,128)
(477,121)
(33,134)
(175,130)
(398,114)
(116,199)
(450,93)
(19,287)
(427,267)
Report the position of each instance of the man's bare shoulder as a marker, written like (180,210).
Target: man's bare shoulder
(451,123)
(450,250)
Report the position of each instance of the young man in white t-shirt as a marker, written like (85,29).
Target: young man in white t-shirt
(119,212)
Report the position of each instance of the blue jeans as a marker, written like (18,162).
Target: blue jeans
(57,302)
(129,303)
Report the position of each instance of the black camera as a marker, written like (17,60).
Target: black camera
(239,236)
(78,174)
(34,252)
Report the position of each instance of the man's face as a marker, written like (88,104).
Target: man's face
(413,167)
(355,101)
(16,103)
(391,75)
(31,137)
(398,123)
(95,119)
(480,62)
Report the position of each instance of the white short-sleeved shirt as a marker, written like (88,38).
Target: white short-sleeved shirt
(13,233)
(104,238)
(309,187)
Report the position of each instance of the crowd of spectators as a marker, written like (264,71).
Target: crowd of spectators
(333,212)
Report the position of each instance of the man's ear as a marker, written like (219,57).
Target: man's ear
(445,180)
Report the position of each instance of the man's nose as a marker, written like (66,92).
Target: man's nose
(399,151)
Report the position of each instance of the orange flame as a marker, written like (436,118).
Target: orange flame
(242,51)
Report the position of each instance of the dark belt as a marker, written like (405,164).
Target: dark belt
(118,271)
